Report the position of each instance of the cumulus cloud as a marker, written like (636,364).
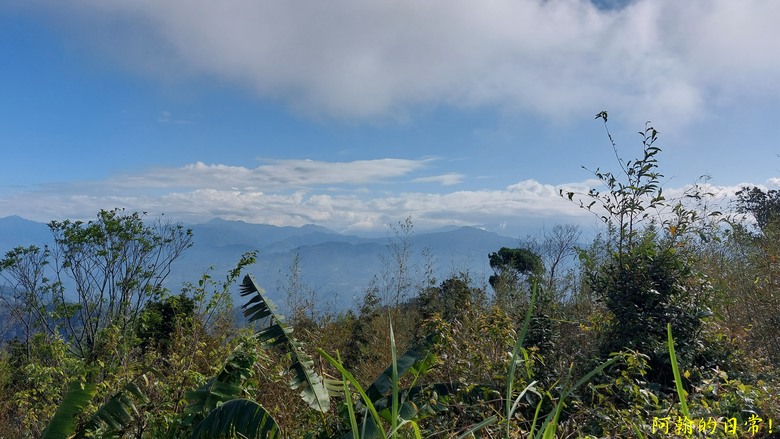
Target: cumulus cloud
(664,59)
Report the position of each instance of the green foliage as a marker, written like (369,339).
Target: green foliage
(359,344)
(620,402)
(681,393)
(118,412)
(645,288)
(160,319)
(38,381)
(116,263)
(510,407)
(549,424)
(215,407)
(385,400)
(197,348)
(367,429)
(150,407)
(646,281)
(417,360)
(23,270)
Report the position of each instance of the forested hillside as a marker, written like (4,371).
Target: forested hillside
(666,326)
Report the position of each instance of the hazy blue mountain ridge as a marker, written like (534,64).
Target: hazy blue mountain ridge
(16,231)
(339,267)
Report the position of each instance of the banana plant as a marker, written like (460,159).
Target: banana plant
(279,335)
(64,422)
(217,410)
(237,418)
(110,420)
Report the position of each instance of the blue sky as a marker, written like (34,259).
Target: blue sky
(354,115)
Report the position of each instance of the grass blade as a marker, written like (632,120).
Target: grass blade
(348,402)
(676,371)
(394,378)
(349,377)
(475,428)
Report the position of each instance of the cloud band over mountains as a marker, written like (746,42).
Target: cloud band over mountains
(345,196)
(352,195)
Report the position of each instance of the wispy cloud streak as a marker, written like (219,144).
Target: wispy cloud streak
(276,175)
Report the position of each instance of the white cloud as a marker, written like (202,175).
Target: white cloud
(276,175)
(662,59)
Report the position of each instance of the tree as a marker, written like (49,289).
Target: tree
(514,270)
(301,297)
(97,275)
(362,334)
(450,299)
(632,195)
(555,247)
(646,281)
(747,267)
(22,269)
(763,205)
(652,287)
(398,277)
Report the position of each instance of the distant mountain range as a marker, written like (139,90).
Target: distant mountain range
(338,267)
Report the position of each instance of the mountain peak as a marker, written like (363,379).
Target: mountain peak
(15,219)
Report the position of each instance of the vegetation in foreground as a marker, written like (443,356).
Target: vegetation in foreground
(666,326)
